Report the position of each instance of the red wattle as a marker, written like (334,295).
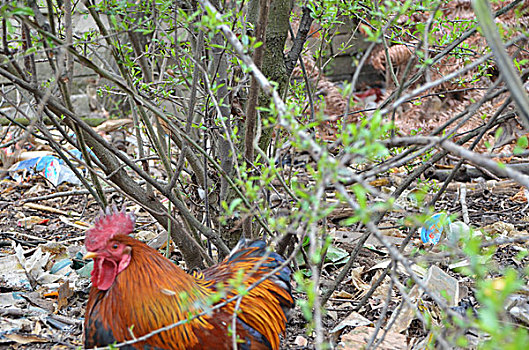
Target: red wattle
(105,273)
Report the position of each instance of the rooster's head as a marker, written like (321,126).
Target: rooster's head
(110,255)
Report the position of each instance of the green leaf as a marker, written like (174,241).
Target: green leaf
(335,254)
(22,11)
(522,142)
(31,50)
(234,204)
(498,133)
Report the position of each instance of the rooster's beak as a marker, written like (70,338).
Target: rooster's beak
(90,255)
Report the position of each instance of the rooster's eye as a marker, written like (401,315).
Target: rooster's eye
(115,246)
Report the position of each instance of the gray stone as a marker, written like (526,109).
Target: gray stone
(341,65)
(351,44)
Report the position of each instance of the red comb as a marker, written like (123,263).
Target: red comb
(107,225)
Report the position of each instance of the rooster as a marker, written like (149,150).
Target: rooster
(136,291)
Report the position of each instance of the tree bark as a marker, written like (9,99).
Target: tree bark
(273,65)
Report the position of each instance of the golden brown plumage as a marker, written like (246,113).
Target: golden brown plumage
(135,291)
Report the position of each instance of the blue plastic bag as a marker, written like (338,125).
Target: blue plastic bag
(51,167)
(433,228)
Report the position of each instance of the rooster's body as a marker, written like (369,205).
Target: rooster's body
(135,291)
